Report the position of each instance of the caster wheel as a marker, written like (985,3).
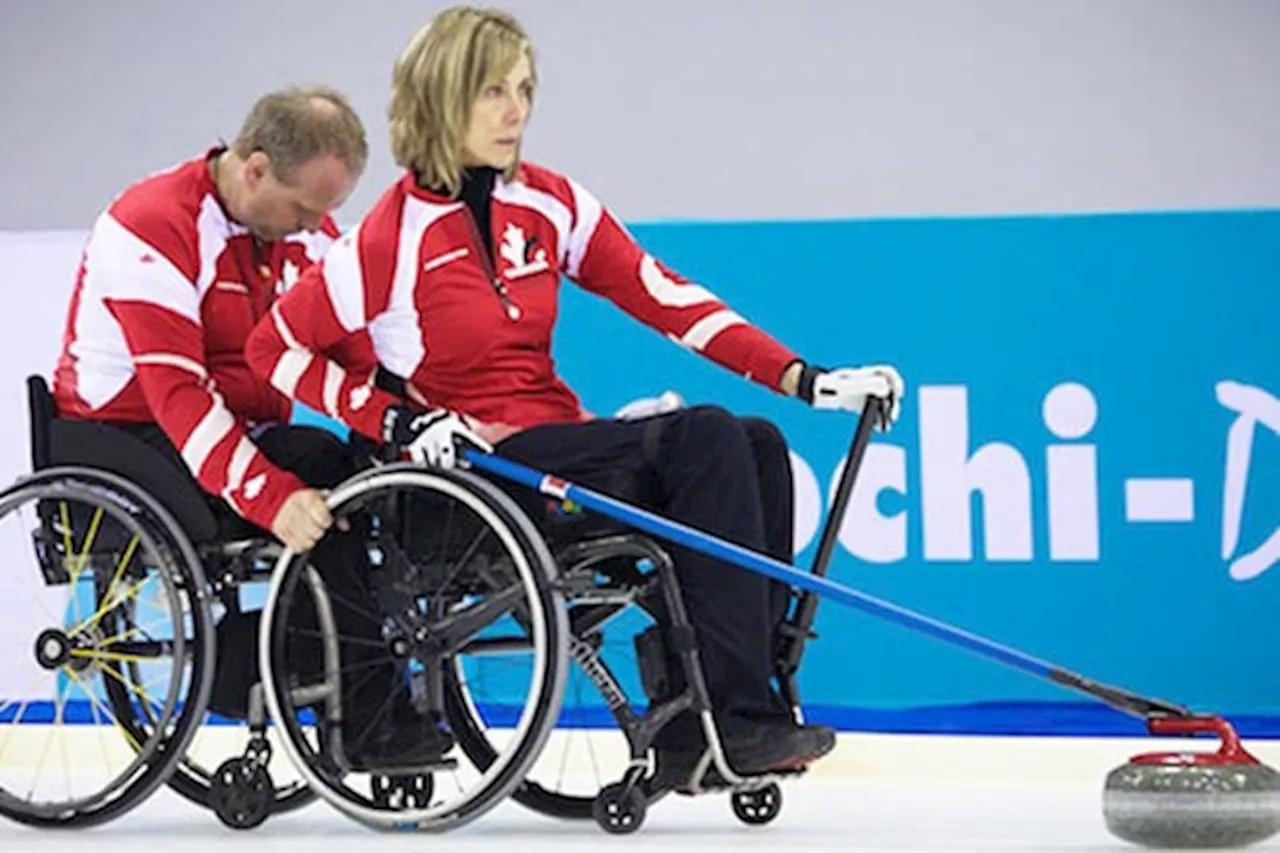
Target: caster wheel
(402,792)
(241,794)
(757,807)
(619,810)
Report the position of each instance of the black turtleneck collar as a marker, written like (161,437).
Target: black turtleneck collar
(477,187)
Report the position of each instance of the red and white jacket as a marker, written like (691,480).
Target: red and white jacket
(167,292)
(471,331)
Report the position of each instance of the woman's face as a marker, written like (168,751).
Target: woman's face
(498,117)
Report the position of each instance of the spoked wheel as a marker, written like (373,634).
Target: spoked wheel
(454,570)
(112,626)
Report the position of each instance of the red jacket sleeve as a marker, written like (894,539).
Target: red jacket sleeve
(249,397)
(158,311)
(604,259)
(304,344)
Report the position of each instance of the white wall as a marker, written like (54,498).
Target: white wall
(698,108)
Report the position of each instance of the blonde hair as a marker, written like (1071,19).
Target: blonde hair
(437,78)
(291,126)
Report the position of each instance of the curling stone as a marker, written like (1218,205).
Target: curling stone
(1217,799)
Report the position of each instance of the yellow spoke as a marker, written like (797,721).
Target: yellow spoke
(137,690)
(119,638)
(88,543)
(107,603)
(68,553)
(95,654)
(107,711)
(135,629)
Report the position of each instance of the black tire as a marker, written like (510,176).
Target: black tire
(757,807)
(620,810)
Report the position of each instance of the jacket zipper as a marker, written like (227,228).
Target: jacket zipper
(509,307)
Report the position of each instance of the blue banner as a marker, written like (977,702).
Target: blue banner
(1085,468)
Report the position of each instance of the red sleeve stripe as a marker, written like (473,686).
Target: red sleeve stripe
(240,461)
(170,359)
(333,377)
(289,371)
(293,362)
(282,328)
(216,425)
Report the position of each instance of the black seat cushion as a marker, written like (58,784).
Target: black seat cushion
(97,445)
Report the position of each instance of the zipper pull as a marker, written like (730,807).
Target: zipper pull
(512,309)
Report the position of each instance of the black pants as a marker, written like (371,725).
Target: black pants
(370,680)
(712,470)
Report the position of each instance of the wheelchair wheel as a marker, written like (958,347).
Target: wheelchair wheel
(457,571)
(112,626)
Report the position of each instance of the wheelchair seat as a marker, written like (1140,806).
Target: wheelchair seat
(59,441)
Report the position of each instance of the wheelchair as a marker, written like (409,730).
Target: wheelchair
(490,599)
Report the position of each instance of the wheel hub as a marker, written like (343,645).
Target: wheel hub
(53,649)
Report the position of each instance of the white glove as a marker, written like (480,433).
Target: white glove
(433,437)
(848,389)
(645,407)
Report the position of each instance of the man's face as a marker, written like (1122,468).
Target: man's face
(498,117)
(276,208)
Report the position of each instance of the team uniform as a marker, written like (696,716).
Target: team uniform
(166,294)
(459,299)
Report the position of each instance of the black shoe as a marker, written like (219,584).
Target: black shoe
(763,748)
(775,748)
(401,745)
